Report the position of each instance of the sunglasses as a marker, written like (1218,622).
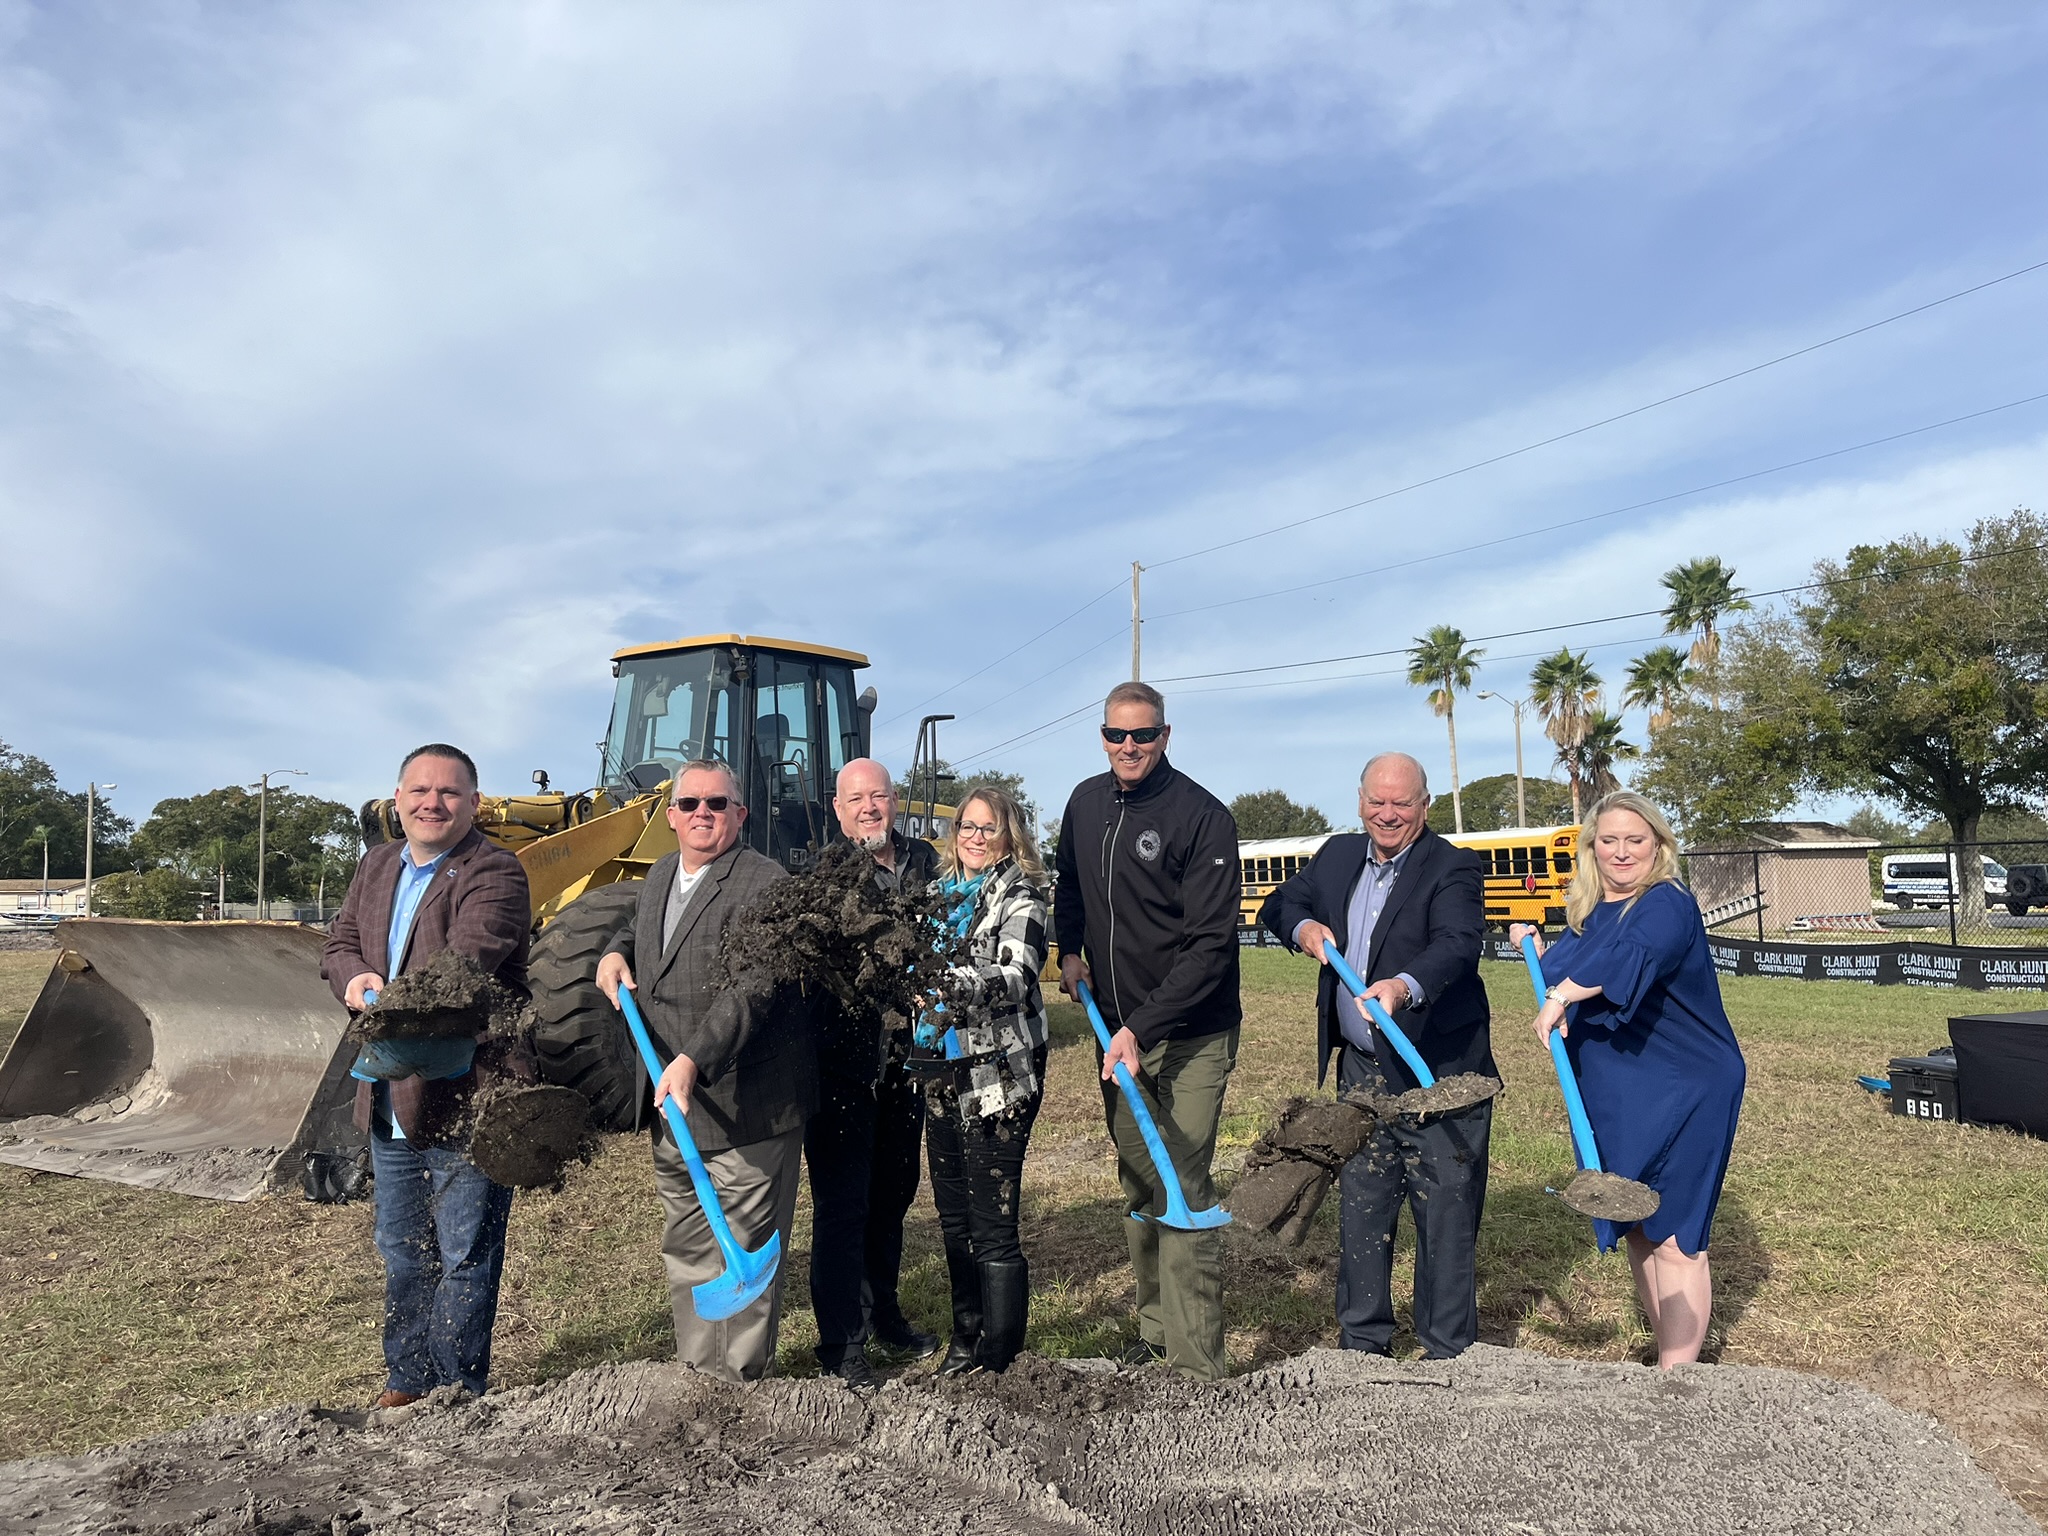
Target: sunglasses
(689,803)
(1144,735)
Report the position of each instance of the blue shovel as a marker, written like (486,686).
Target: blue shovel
(1177,1213)
(1398,1037)
(1609,1196)
(747,1275)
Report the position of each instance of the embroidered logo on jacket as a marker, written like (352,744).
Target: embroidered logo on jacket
(1148,845)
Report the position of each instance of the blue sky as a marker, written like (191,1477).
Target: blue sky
(369,373)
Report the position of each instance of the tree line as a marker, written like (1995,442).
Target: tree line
(184,855)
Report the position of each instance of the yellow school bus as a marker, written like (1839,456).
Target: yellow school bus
(1527,869)
(1264,863)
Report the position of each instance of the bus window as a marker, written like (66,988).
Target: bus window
(1562,863)
(1521,864)
(1539,861)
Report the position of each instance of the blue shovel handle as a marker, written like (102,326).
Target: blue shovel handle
(747,1275)
(1177,1213)
(1574,1106)
(1380,1017)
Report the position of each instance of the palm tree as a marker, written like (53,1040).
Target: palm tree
(1598,749)
(1657,681)
(1441,662)
(1566,690)
(1701,591)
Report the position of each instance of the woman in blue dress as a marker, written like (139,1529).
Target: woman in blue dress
(1633,990)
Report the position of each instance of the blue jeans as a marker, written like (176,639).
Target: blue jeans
(441,1230)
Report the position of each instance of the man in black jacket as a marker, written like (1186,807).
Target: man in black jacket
(1146,913)
(1407,910)
(864,1144)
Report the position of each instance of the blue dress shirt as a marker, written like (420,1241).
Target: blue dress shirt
(1362,914)
(413,883)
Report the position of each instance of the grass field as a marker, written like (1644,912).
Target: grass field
(1908,1256)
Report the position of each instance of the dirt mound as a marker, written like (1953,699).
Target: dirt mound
(1493,1441)
(449,995)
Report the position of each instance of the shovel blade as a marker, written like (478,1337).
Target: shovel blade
(1185,1220)
(745,1281)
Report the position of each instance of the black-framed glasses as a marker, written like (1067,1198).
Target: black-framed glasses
(689,803)
(975,829)
(1143,735)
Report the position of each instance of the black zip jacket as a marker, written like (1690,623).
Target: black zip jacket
(1148,892)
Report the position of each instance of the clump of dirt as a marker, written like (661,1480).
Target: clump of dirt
(1495,1440)
(1461,1090)
(1610,1197)
(838,929)
(448,995)
(1287,1173)
(527,1134)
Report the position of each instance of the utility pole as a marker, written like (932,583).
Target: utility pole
(1517,705)
(1136,620)
(262,831)
(92,793)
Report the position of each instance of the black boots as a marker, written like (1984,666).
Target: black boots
(966,1275)
(1005,1304)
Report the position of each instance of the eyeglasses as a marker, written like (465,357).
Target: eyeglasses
(689,803)
(1144,735)
(973,830)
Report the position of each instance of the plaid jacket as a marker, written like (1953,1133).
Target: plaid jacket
(996,988)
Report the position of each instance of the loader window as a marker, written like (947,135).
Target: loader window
(788,806)
(661,710)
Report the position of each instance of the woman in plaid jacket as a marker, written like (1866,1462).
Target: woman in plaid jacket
(983,1104)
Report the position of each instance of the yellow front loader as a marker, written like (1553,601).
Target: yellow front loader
(208,1057)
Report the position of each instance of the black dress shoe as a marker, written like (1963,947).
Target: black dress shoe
(854,1370)
(905,1341)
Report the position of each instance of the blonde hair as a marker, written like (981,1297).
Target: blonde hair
(1012,826)
(1586,892)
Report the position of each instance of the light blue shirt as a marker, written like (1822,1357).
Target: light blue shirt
(413,883)
(1368,900)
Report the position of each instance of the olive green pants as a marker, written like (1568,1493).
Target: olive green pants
(1179,1274)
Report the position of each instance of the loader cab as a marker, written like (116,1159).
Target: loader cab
(784,714)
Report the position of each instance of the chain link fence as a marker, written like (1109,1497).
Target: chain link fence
(1993,894)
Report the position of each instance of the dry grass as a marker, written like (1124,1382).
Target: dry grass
(1846,1237)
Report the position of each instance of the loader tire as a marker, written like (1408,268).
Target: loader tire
(578,1036)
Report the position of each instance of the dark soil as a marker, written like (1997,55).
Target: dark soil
(1610,1197)
(526,1135)
(1287,1173)
(836,928)
(449,995)
(1461,1090)
(1493,1441)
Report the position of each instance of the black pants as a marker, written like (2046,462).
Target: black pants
(977,1178)
(1439,1168)
(862,1148)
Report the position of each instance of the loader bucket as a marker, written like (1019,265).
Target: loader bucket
(204,1058)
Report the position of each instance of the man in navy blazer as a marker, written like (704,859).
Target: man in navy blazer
(1407,910)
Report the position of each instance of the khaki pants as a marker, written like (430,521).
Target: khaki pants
(1179,1274)
(756,1187)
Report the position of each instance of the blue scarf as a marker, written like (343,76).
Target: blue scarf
(961,896)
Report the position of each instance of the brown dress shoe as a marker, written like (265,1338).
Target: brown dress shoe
(393,1398)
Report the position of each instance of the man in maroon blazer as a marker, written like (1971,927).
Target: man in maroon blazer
(440,1222)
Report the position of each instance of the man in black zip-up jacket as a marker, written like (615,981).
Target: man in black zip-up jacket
(1145,912)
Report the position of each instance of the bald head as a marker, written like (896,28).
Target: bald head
(865,803)
(1393,802)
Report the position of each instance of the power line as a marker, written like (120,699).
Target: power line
(1612,618)
(1903,314)
(1594,517)
(1605,421)
(970,677)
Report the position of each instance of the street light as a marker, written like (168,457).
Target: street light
(1517,705)
(262,830)
(92,793)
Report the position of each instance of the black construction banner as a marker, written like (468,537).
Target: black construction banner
(1883,965)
